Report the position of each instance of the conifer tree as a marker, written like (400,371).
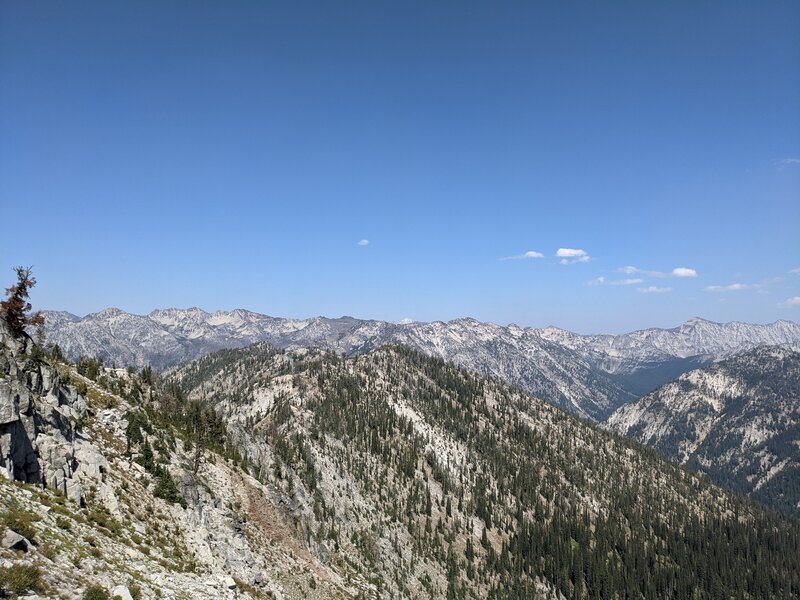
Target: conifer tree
(16,307)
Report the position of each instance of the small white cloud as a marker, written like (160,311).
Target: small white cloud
(524,255)
(570,252)
(406,321)
(676,272)
(788,162)
(734,287)
(795,271)
(363,243)
(570,256)
(683,272)
(793,301)
(655,290)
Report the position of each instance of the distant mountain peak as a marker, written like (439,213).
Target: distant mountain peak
(110,312)
(696,320)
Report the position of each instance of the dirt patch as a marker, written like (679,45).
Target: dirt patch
(269,521)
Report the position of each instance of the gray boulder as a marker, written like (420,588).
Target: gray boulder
(14,541)
(121,591)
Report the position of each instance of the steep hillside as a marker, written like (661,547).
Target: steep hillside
(588,375)
(81,512)
(430,482)
(738,421)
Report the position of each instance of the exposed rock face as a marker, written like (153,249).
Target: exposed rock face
(38,440)
(737,421)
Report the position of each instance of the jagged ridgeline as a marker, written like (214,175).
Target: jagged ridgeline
(589,375)
(412,478)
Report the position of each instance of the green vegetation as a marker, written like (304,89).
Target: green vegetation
(135,590)
(95,592)
(16,308)
(19,579)
(100,516)
(89,367)
(166,489)
(63,523)
(21,521)
(165,485)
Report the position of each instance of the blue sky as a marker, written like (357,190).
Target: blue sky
(234,154)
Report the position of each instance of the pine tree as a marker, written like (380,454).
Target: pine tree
(16,306)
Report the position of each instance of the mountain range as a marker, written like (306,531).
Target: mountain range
(288,474)
(589,375)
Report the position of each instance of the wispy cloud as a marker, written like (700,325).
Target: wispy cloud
(363,243)
(570,256)
(734,287)
(737,287)
(793,301)
(524,255)
(654,290)
(789,162)
(604,281)
(676,272)
(795,271)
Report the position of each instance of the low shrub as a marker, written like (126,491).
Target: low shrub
(18,579)
(21,521)
(95,592)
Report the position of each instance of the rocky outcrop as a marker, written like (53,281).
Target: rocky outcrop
(38,412)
